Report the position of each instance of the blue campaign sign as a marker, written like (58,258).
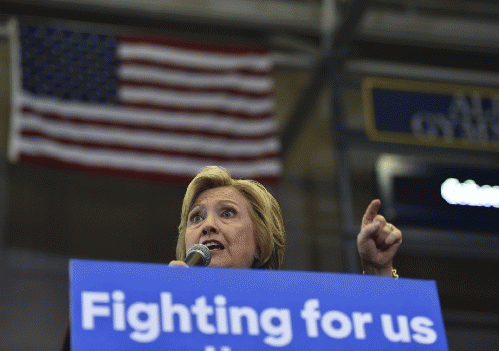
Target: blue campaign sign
(137,306)
(431,114)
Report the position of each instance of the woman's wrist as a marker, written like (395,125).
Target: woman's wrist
(388,271)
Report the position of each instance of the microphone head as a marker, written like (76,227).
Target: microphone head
(202,250)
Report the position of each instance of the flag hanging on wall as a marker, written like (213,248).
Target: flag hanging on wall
(142,107)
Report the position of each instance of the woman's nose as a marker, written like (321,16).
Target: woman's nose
(210,227)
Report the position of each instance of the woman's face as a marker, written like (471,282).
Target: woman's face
(220,219)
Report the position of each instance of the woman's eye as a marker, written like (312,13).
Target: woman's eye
(196,218)
(228,213)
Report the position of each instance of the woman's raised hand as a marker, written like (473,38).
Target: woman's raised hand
(377,242)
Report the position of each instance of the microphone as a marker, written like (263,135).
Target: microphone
(198,255)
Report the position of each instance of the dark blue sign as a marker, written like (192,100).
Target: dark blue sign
(431,114)
(419,193)
(129,306)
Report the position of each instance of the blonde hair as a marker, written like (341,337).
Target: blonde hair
(264,209)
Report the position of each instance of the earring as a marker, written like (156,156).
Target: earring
(256,255)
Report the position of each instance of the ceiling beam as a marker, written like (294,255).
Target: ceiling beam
(322,73)
(272,15)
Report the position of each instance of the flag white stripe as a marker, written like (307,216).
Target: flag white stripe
(196,59)
(159,141)
(156,75)
(125,115)
(164,98)
(134,161)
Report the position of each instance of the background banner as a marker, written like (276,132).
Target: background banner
(431,114)
(137,306)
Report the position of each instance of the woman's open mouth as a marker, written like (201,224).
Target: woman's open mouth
(213,245)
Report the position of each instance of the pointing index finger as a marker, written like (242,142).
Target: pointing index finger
(371,212)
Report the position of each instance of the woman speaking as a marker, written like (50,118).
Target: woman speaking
(241,224)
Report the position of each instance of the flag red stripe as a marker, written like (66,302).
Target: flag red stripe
(147,151)
(77,120)
(247,71)
(185,44)
(176,88)
(44,161)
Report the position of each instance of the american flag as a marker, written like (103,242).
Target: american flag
(142,107)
